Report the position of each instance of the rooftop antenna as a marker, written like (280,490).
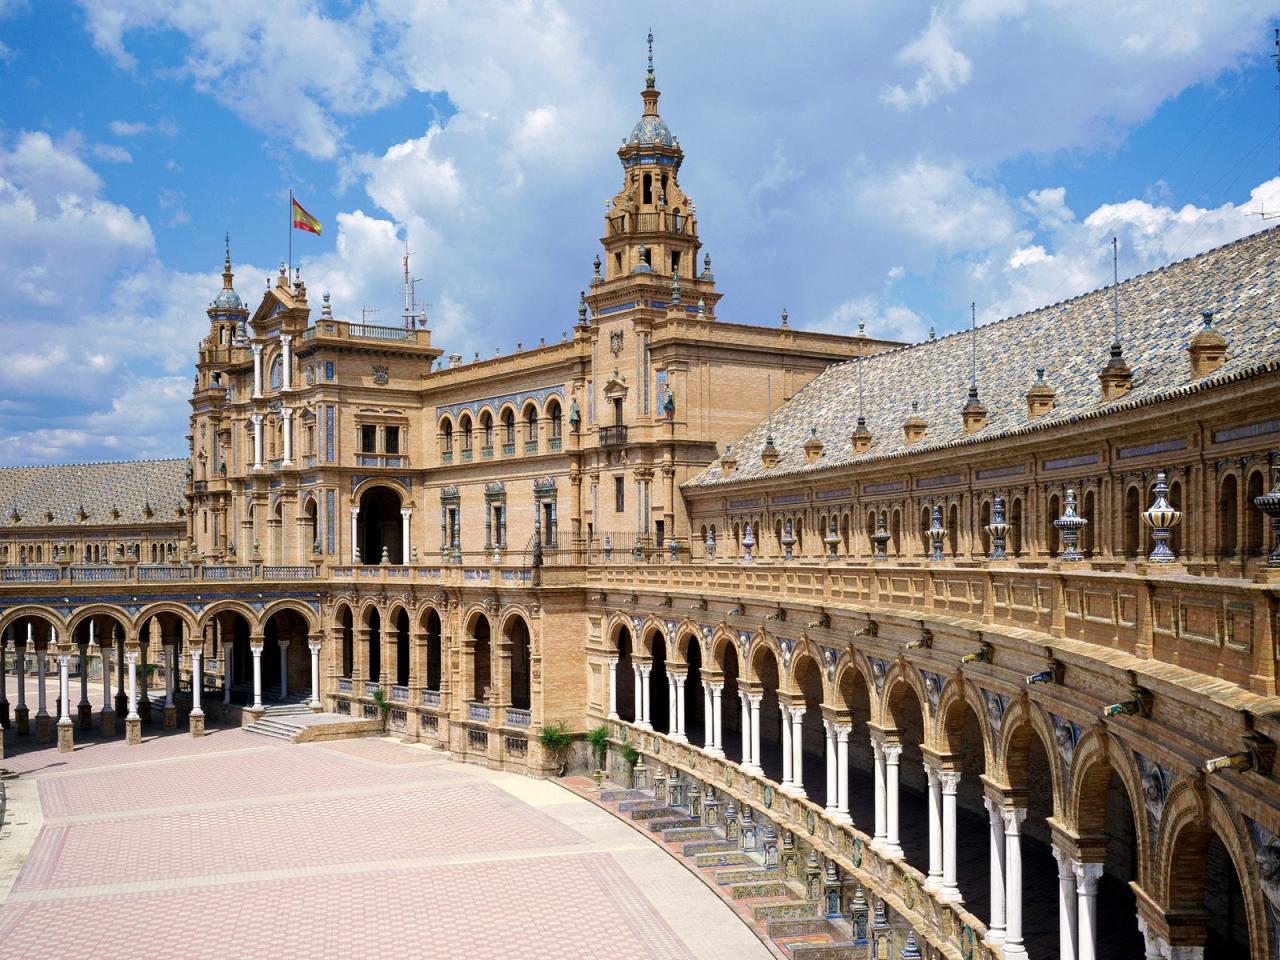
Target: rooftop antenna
(413,313)
(367,312)
(769,389)
(973,345)
(1115,292)
(862,412)
(1262,210)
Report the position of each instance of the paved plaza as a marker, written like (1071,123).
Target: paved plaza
(235,845)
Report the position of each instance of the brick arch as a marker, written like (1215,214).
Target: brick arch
(362,611)
(189,619)
(615,624)
(763,646)
(516,611)
(35,612)
(687,632)
(1096,757)
(473,615)
(308,615)
(901,674)
(86,613)
(643,636)
(1023,720)
(228,606)
(392,484)
(1192,814)
(803,658)
(957,694)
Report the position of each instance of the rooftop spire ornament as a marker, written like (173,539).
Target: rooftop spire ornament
(997,528)
(1070,523)
(649,80)
(1161,518)
(881,537)
(936,532)
(1116,377)
(1269,503)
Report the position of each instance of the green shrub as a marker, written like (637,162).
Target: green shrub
(598,737)
(630,754)
(556,737)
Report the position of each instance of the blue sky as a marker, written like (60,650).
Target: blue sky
(884,162)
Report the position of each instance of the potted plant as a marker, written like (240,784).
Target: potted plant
(556,740)
(598,738)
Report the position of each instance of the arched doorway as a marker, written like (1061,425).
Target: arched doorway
(771,729)
(286,658)
(433,650)
(693,696)
(905,719)
(518,641)
(659,705)
(378,526)
(812,763)
(731,700)
(625,708)
(401,621)
(346,627)
(373,643)
(481,656)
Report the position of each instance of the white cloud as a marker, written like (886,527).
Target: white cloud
(110,153)
(126,128)
(943,68)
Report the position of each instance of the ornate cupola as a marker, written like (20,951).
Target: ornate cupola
(915,426)
(227,313)
(651,227)
(1041,397)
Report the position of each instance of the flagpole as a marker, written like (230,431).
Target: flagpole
(289,279)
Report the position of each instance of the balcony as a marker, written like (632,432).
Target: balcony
(487,452)
(467,455)
(431,698)
(369,331)
(508,449)
(399,694)
(555,443)
(615,436)
(478,712)
(446,457)
(518,718)
(393,460)
(531,446)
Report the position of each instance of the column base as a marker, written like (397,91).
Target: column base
(44,726)
(195,722)
(950,894)
(891,851)
(170,715)
(679,738)
(107,723)
(643,725)
(752,768)
(84,714)
(22,720)
(66,736)
(133,729)
(932,884)
(317,706)
(713,751)
(1013,951)
(995,935)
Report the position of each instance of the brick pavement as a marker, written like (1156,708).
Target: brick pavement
(228,847)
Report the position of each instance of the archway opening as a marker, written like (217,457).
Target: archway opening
(346,626)
(373,645)
(731,699)
(813,755)
(402,648)
(1204,887)
(1027,763)
(771,726)
(1105,812)
(906,715)
(481,660)
(433,650)
(694,721)
(518,638)
(659,705)
(962,735)
(378,526)
(625,708)
(286,660)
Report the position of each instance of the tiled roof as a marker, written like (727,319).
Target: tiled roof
(1159,313)
(128,487)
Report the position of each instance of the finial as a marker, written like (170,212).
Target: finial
(649,79)
(1039,374)
(862,327)
(1207,317)
(227,261)
(595,264)
(932,334)
(675,288)
(784,316)
(702,307)
(1116,349)
(973,343)
(582,308)
(326,311)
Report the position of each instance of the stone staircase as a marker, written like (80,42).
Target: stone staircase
(775,906)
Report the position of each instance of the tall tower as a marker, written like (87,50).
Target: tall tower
(651,231)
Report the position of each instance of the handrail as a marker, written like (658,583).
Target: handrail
(946,924)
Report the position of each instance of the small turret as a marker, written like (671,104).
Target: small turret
(1208,348)
(915,426)
(1040,397)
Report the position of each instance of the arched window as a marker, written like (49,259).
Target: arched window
(648,188)
(1089,532)
(984,519)
(555,422)
(509,430)
(530,428)
(1052,537)
(1227,542)
(1132,522)
(1255,519)
(953,529)
(486,425)
(446,437)
(1015,527)
(464,424)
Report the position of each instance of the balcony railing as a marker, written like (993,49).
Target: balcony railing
(508,449)
(518,718)
(230,572)
(99,574)
(399,694)
(615,436)
(369,331)
(164,573)
(446,456)
(555,443)
(30,575)
(479,712)
(487,452)
(531,446)
(289,573)
(371,687)
(431,698)
(344,685)
(397,460)
(467,455)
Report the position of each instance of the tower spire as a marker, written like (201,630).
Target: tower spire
(649,80)
(227,276)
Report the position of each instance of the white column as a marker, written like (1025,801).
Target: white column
(786,749)
(934,880)
(1066,905)
(227,650)
(315,674)
(645,673)
(197,680)
(950,784)
(257,369)
(405,514)
(256,650)
(355,532)
(797,750)
(284,669)
(64,688)
(680,682)
(286,416)
(286,343)
(613,688)
(170,668)
(995,929)
(671,704)
(637,700)
(20,654)
(755,732)
(256,419)
(748,758)
(708,720)
(842,771)
(131,658)
(1087,876)
(877,752)
(40,674)
(106,677)
(892,754)
(1013,817)
(717,720)
(829,751)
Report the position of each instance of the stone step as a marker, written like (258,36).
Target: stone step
(727,858)
(684,834)
(663,824)
(749,874)
(643,807)
(701,847)
(274,733)
(786,908)
(843,950)
(803,927)
(620,794)
(760,888)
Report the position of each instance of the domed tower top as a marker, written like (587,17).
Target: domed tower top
(650,130)
(227,301)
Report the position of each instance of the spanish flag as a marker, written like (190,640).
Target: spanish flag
(301,219)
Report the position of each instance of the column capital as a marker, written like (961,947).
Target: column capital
(645,669)
(197,652)
(613,663)
(286,338)
(314,644)
(355,510)
(950,781)
(64,659)
(754,699)
(843,730)
(1013,817)
(256,348)
(716,688)
(284,644)
(406,512)
(255,648)
(1087,876)
(892,751)
(797,713)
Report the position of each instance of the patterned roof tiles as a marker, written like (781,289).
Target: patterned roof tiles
(1159,313)
(127,486)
